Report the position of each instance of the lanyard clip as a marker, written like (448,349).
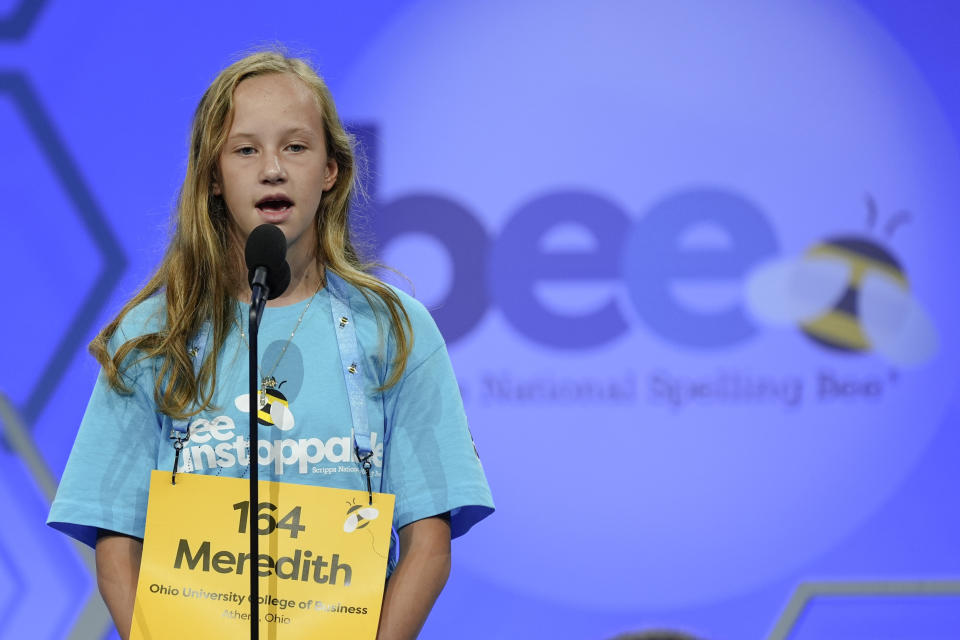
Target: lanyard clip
(365,464)
(178,437)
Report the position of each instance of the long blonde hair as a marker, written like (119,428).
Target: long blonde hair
(197,271)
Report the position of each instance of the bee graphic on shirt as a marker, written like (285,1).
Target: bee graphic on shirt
(274,409)
(849,294)
(359,516)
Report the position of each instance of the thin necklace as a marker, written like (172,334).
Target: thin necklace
(268,381)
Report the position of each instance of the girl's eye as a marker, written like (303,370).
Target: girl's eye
(297,148)
(246,151)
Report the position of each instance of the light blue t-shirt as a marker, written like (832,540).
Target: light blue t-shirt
(423,452)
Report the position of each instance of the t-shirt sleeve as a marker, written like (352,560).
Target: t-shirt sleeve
(431,464)
(107,478)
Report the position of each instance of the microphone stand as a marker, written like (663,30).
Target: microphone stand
(257,302)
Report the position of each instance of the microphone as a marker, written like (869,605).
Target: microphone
(269,276)
(267,269)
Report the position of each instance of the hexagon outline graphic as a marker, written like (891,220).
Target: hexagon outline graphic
(51,144)
(20,21)
(807,591)
(94,619)
(6,606)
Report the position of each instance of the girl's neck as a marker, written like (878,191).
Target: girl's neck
(301,287)
(307,276)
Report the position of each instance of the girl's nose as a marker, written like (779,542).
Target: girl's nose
(272,171)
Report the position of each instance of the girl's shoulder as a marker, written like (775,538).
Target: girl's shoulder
(420,318)
(147,317)
(372,313)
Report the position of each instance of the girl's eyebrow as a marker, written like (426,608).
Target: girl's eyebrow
(292,131)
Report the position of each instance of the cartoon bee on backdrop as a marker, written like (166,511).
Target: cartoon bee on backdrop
(359,516)
(274,409)
(847,293)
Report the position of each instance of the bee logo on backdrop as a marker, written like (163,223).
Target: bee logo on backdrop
(847,293)
(666,270)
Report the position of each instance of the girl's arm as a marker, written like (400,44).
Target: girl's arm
(421,573)
(118,566)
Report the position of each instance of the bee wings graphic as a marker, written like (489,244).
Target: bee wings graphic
(800,290)
(358,516)
(274,412)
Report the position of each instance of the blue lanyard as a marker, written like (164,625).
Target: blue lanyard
(351,365)
(180,428)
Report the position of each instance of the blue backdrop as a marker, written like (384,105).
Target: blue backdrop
(695,263)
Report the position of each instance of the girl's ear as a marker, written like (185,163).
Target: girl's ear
(215,184)
(330,174)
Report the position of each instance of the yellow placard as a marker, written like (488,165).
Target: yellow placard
(323,556)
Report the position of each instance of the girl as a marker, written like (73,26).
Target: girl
(267,146)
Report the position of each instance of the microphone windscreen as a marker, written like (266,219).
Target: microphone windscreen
(266,247)
(278,280)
